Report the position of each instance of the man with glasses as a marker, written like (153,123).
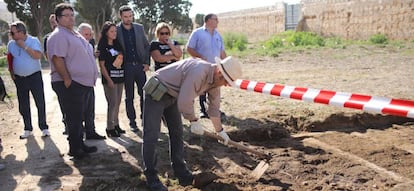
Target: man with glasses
(73,73)
(26,52)
(206,43)
(53,25)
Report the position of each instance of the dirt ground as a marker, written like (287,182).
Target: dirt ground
(312,146)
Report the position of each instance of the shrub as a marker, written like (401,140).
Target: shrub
(3,50)
(3,64)
(235,41)
(274,42)
(305,39)
(378,39)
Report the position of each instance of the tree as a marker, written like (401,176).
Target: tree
(34,13)
(96,12)
(199,19)
(173,12)
(4,32)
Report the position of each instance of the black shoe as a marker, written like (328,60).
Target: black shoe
(204,115)
(203,179)
(119,130)
(185,181)
(95,136)
(112,133)
(155,184)
(78,154)
(89,149)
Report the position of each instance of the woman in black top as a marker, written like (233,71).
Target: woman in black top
(110,63)
(164,51)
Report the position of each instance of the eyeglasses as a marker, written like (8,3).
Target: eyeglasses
(68,15)
(164,33)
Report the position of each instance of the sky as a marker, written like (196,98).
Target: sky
(220,6)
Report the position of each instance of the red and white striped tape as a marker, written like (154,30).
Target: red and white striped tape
(367,103)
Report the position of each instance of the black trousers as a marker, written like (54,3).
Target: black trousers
(73,99)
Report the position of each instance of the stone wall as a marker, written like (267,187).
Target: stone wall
(349,19)
(257,24)
(359,19)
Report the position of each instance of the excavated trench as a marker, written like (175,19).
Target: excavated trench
(255,131)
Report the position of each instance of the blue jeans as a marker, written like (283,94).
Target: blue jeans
(153,111)
(34,84)
(74,98)
(134,74)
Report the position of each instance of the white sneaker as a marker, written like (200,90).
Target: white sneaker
(45,133)
(25,134)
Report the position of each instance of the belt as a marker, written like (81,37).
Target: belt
(18,76)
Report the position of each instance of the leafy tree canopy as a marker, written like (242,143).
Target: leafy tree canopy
(34,13)
(96,12)
(173,12)
(199,20)
(4,30)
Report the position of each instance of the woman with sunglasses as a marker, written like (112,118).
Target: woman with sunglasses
(164,51)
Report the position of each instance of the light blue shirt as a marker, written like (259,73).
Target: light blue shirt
(23,63)
(209,46)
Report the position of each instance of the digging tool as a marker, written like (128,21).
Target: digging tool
(260,168)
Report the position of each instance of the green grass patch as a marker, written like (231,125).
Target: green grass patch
(378,39)
(291,41)
(305,39)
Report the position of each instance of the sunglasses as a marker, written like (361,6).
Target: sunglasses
(164,33)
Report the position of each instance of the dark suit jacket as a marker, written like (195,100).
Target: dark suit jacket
(141,42)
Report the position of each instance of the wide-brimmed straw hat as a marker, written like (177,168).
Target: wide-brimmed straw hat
(230,68)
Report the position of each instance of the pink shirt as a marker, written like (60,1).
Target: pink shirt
(188,79)
(77,53)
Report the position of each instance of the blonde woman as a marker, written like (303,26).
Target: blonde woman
(164,51)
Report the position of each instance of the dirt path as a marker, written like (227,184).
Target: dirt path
(313,146)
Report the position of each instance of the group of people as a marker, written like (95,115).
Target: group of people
(124,53)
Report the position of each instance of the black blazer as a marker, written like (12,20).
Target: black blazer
(141,42)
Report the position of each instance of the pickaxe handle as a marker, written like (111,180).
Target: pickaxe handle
(236,144)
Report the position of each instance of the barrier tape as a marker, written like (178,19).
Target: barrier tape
(375,104)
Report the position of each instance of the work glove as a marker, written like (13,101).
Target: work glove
(197,128)
(225,137)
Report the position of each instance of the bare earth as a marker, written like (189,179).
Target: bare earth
(312,146)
